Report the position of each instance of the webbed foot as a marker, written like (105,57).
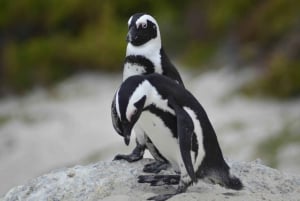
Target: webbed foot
(130,157)
(137,154)
(155,167)
(159,180)
(162,197)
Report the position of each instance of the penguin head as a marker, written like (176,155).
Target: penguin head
(133,113)
(130,102)
(143,30)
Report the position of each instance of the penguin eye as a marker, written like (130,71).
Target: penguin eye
(144,25)
(133,114)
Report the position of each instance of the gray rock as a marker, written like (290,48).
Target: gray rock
(117,181)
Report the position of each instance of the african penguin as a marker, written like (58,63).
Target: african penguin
(144,52)
(179,128)
(145,55)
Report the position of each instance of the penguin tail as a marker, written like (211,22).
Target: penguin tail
(218,172)
(223,178)
(232,182)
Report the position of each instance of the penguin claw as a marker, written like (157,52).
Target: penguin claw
(155,167)
(159,180)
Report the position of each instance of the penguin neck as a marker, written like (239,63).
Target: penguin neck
(141,89)
(150,50)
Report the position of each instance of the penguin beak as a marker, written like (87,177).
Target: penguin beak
(128,37)
(126,134)
(127,140)
(130,34)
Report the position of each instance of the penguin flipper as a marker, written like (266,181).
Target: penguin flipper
(185,129)
(114,117)
(137,154)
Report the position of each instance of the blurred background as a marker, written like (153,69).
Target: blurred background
(61,62)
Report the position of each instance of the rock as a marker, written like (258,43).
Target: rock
(117,181)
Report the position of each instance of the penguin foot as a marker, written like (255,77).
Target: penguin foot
(161,197)
(159,180)
(137,154)
(155,167)
(130,157)
(181,188)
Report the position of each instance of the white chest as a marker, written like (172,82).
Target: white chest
(163,139)
(161,136)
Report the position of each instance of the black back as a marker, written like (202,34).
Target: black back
(168,68)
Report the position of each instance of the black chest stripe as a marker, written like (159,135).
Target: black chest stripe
(142,61)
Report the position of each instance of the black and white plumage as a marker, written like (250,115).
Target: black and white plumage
(144,55)
(144,52)
(179,128)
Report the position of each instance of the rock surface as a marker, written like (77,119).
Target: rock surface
(71,124)
(117,181)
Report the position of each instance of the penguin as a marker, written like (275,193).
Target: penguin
(179,128)
(145,55)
